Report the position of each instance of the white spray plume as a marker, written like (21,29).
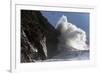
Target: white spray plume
(70,35)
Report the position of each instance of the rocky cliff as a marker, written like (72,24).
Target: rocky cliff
(38,37)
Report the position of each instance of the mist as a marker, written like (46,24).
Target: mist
(71,37)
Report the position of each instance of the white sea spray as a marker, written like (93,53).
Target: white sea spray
(71,37)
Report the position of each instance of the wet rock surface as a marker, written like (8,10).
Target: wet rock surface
(38,37)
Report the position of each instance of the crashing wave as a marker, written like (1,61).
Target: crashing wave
(71,37)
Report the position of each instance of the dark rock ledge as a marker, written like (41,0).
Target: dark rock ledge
(38,37)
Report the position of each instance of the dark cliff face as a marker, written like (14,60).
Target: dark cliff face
(38,37)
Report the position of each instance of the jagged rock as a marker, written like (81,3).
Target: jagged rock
(38,37)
